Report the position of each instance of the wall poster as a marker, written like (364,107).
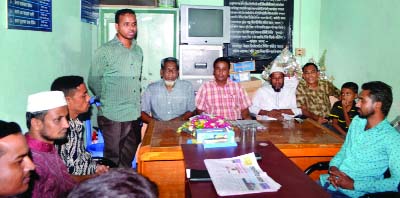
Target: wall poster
(260,29)
(29,15)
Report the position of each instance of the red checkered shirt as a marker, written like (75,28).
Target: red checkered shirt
(227,101)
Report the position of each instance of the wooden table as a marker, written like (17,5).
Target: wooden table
(294,183)
(161,159)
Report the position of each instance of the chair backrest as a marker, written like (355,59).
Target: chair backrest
(317,166)
(95,147)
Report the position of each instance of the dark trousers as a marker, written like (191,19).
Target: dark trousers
(121,140)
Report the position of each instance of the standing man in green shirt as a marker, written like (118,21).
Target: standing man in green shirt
(115,77)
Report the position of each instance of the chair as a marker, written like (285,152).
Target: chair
(96,149)
(325,166)
(317,166)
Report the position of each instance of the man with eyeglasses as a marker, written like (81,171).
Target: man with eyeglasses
(274,101)
(313,94)
(168,98)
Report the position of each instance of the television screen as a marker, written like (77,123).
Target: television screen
(206,22)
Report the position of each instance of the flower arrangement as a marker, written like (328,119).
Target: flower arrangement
(203,121)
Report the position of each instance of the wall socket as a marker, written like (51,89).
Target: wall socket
(300,52)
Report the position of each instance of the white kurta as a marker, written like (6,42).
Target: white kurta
(267,99)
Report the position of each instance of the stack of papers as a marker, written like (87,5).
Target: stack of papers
(239,175)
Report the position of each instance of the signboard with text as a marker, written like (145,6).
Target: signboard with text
(30,15)
(260,29)
(90,11)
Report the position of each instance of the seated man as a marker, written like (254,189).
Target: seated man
(118,182)
(46,118)
(169,98)
(371,147)
(274,100)
(313,94)
(72,149)
(222,97)
(15,163)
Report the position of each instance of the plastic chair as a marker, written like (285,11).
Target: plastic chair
(96,149)
(317,166)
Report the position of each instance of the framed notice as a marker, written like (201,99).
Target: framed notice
(144,3)
(90,11)
(260,29)
(29,15)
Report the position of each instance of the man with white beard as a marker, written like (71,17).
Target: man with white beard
(168,98)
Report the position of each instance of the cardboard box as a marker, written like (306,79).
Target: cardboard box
(252,83)
(251,86)
(214,138)
(242,66)
(240,76)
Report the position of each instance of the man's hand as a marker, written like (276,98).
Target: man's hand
(339,179)
(322,120)
(274,113)
(100,169)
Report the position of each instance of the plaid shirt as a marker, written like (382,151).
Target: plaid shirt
(316,101)
(227,101)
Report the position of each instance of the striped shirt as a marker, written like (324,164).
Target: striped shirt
(115,77)
(227,101)
(337,112)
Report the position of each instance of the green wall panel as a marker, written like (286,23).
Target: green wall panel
(361,38)
(31,60)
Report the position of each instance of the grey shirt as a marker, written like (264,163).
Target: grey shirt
(165,105)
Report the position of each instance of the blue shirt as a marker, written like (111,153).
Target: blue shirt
(366,155)
(165,105)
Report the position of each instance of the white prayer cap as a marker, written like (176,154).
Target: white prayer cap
(45,100)
(276,68)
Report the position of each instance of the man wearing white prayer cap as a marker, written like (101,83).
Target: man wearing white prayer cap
(46,118)
(274,101)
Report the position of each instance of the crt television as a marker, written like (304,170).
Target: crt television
(205,24)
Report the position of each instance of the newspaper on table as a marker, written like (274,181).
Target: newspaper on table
(239,175)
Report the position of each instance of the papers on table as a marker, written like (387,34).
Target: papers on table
(239,175)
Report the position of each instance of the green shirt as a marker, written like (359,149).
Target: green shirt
(316,101)
(366,155)
(115,76)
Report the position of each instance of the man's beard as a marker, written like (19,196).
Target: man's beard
(58,139)
(169,83)
(277,89)
(368,114)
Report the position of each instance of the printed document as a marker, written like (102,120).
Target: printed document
(239,175)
